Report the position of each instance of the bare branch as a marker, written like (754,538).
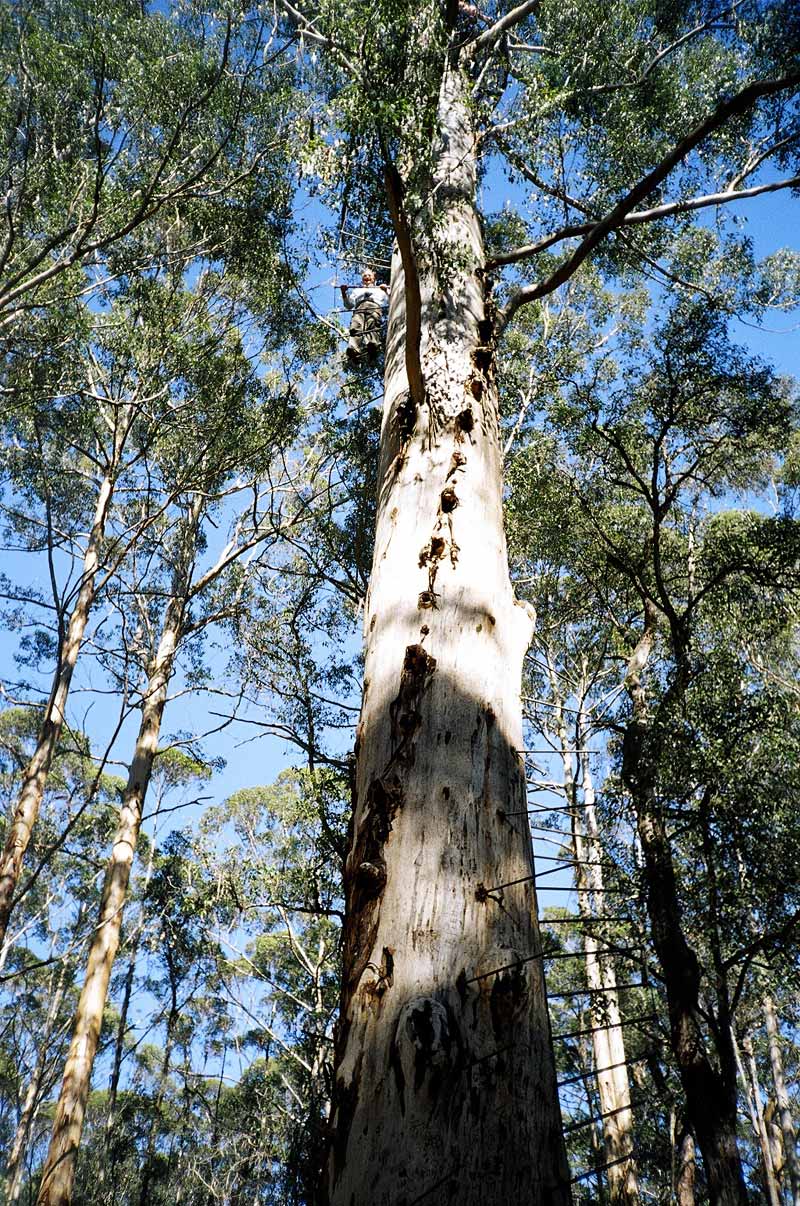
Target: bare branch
(413,297)
(490,36)
(643,215)
(522,167)
(733,106)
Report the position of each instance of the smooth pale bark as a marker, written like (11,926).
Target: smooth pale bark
(752,1089)
(33,1097)
(782,1099)
(444,1074)
(107,1166)
(107,1170)
(776,1147)
(710,1090)
(608,1042)
(687,1169)
(607,1038)
(34,781)
(59,1170)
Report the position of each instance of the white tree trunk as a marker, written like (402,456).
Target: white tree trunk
(613,1084)
(608,1044)
(107,1171)
(444,1080)
(59,1170)
(34,781)
(782,1099)
(33,1096)
(752,1089)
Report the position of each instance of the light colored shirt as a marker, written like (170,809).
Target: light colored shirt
(360,293)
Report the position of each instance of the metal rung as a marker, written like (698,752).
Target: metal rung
(650,1017)
(592,1172)
(577,992)
(623,1063)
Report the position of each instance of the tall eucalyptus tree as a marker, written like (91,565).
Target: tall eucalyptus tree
(233,425)
(142,144)
(444,1074)
(694,601)
(119,119)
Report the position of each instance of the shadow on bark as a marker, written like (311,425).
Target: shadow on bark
(445,1078)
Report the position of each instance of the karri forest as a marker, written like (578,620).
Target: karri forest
(400,603)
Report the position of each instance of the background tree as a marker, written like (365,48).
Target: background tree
(225,400)
(644,462)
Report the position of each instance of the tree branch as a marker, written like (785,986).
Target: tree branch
(306,27)
(641,216)
(748,953)
(413,297)
(521,166)
(487,39)
(729,108)
(703,27)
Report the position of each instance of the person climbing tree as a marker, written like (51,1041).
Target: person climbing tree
(470,16)
(367,303)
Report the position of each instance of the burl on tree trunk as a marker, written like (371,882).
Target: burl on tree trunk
(444,1078)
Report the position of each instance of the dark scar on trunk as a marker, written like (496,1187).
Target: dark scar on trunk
(365,879)
(396,1065)
(430,555)
(384,978)
(433,551)
(426,1042)
(486,329)
(457,463)
(364,882)
(465,423)
(508,995)
(404,715)
(483,356)
(345,1100)
(487,762)
(405,417)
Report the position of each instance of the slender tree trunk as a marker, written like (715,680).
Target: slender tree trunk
(608,1042)
(33,1096)
(108,1164)
(776,1148)
(710,1091)
(687,1169)
(596,1143)
(34,781)
(782,1099)
(752,1089)
(107,1172)
(59,1170)
(710,1097)
(147,1164)
(444,1074)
